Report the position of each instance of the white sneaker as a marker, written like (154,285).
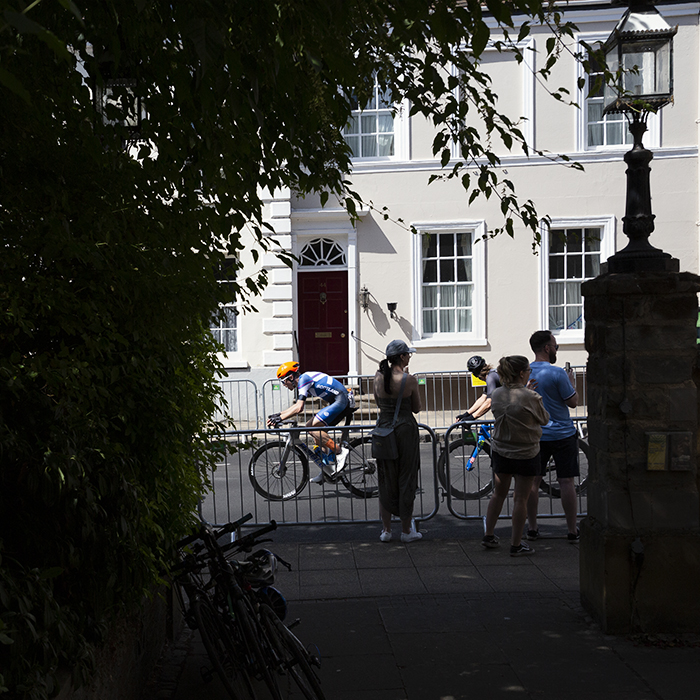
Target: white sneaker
(411,536)
(317,479)
(340,459)
(385,536)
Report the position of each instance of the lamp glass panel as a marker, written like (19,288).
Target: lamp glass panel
(639,61)
(653,61)
(663,68)
(612,61)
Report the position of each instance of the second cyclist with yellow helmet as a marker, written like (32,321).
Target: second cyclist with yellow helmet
(331,392)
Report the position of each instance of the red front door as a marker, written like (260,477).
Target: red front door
(323,322)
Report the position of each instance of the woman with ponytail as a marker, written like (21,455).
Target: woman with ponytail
(515,448)
(398,478)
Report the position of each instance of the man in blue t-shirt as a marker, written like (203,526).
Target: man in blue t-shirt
(559,438)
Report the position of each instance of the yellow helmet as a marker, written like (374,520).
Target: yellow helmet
(287,368)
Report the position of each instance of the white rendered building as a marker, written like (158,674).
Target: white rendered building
(453,294)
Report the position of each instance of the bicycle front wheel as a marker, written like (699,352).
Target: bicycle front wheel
(469,480)
(275,478)
(549,483)
(359,474)
(222,650)
(292,657)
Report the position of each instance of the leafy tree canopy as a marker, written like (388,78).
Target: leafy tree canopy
(112,233)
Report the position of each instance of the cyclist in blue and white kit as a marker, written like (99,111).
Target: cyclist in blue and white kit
(329,390)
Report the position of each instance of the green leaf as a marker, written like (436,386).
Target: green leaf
(10,82)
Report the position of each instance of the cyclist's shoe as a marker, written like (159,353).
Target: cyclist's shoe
(490,542)
(533,535)
(318,479)
(385,536)
(574,539)
(521,550)
(341,458)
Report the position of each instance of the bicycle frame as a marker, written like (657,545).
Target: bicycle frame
(292,439)
(482,436)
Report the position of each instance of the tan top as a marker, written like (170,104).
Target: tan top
(519,415)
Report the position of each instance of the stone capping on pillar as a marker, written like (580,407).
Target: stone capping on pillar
(640,542)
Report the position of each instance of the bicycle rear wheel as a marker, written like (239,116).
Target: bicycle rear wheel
(468,481)
(549,483)
(292,657)
(274,480)
(222,650)
(256,644)
(359,474)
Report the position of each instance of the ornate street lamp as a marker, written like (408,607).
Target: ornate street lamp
(115,94)
(640,54)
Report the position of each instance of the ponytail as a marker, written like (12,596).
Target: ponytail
(385,367)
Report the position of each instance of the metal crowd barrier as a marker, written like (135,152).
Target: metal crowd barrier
(467,492)
(240,452)
(444,395)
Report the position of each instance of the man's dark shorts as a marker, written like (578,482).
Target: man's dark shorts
(565,453)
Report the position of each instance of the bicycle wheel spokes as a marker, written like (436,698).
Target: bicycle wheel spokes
(276,478)
(223,650)
(470,475)
(359,475)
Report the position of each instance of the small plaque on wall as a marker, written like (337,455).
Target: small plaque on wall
(656,451)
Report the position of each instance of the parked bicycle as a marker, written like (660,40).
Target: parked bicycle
(279,470)
(470,468)
(239,614)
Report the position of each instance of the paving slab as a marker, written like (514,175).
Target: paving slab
(444,619)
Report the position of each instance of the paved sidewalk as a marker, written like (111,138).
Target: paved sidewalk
(444,619)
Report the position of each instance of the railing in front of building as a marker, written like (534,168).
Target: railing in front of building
(444,395)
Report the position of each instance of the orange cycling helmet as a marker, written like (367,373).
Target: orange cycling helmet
(287,368)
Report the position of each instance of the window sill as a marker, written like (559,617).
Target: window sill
(454,342)
(569,339)
(232,362)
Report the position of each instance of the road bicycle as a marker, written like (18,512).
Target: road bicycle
(279,470)
(240,615)
(470,469)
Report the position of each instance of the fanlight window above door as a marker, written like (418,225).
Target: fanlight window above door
(322,252)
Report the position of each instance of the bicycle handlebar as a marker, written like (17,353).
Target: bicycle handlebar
(247,541)
(223,530)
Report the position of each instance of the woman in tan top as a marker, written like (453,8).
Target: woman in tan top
(519,416)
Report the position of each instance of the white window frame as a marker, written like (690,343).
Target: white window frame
(233,360)
(401,136)
(652,137)
(477,336)
(607,224)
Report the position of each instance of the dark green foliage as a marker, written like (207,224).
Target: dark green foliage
(109,243)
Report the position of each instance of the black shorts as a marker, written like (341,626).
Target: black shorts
(565,453)
(520,467)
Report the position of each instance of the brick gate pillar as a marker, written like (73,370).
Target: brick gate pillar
(640,543)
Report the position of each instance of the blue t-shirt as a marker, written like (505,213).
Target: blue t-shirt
(321,385)
(554,387)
